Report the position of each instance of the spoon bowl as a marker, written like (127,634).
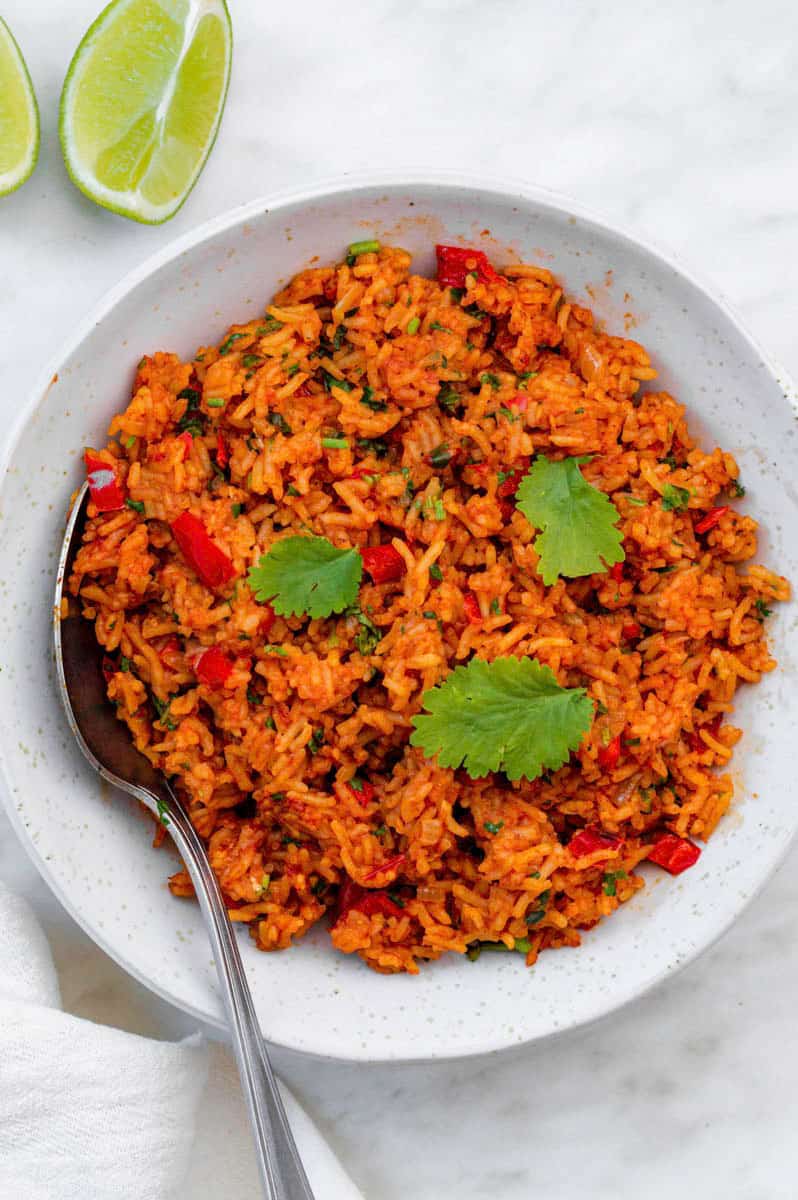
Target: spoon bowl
(106,743)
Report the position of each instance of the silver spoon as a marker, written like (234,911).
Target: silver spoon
(106,744)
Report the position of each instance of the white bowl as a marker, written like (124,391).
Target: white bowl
(92,847)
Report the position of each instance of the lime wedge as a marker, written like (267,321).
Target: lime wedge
(142,102)
(19,116)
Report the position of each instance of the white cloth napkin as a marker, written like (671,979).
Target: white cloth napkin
(91,1113)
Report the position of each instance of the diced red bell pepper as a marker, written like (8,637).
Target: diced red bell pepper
(391,864)
(616,572)
(673,853)
(630,631)
(352,896)
(608,755)
(509,485)
(365,793)
(213,667)
(185,440)
(267,620)
(590,839)
(378,902)
(710,519)
(456,262)
(383,563)
(201,553)
(694,739)
(106,491)
(222,452)
(472,610)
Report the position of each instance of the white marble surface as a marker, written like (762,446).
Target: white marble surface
(680,121)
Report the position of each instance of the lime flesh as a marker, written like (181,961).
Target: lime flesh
(142,102)
(19,116)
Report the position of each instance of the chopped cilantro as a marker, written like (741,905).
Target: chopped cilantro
(448,398)
(762,610)
(136,505)
(736,489)
(375,446)
(375,405)
(675,499)
(436,572)
(414,325)
(338,337)
(291,490)
(330,382)
(368,636)
(124,663)
(251,360)
(436,325)
(279,422)
(253,698)
(509,715)
(577,520)
(130,442)
(495,606)
(192,395)
(270,325)
(457,294)
(237,510)
(227,345)
(316,741)
(215,402)
(609,885)
(537,914)
(306,575)
(487,377)
(162,709)
(493,826)
(441,456)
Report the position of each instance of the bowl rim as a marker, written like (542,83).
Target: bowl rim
(328,188)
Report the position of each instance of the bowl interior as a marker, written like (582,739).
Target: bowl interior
(93,846)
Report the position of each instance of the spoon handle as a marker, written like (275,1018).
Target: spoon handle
(281,1169)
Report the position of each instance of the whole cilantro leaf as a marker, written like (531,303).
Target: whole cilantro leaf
(306,575)
(576,519)
(508,715)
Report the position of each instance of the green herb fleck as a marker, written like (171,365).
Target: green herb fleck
(487,377)
(675,499)
(414,325)
(436,572)
(136,505)
(610,877)
(494,826)
(330,382)
(316,741)
(335,443)
(227,345)
(367,247)
(215,402)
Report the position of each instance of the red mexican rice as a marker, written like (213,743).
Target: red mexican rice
(397,415)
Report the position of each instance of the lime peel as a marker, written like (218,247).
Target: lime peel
(142,103)
(19,116)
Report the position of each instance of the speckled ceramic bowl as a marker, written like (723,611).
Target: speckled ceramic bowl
(93,847)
